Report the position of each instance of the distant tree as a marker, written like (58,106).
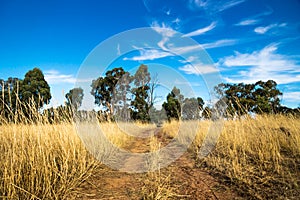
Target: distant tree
(191,108)
(8,101)
(153,84)
(157,116)
(140,103)
(173,104)
(238,97)
(261,97)
(7,88)
(142,76)
(266,97)
(74,98)
(106,89)
(140,107)
(123,97)
(207,113)
(289,111)
(34,89)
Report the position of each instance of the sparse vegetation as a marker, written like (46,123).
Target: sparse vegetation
(257,155)
(42,161)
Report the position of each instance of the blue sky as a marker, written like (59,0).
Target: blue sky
(247,40)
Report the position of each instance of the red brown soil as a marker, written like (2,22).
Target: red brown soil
(187,181)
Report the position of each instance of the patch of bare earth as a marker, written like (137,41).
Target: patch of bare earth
(187,181)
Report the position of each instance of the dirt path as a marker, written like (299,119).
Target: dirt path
(185,180)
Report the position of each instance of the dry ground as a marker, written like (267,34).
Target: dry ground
(254,158)
(180,180)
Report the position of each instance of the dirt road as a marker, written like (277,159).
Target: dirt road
(180,180)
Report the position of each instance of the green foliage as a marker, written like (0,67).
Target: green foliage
(74,98)
(173,104)
(266,96)
(261,97)
(19,95)
(142,76)
(9,96)
(191,108)
(34,88)
(157,116)
(7,87)
(289,111)
(140,106)
(207,113)
(105,89)
(58,115)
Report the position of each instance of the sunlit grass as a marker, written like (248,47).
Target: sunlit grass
(260,156)
(42,161)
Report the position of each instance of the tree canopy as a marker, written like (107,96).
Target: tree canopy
(191,108)
(104,89)
(123,96)
(35,88)
(139,104)
(173,104)
(260,97)
(74,97)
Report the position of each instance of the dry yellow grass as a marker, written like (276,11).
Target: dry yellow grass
(157,185)
(39,160)
(260,156)
(42,161)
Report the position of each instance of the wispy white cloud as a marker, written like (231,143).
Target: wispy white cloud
(219,43)
(162,29)
(254,19)
(149,54)
(201,30)
(194,65)
(198,69)
(247,22)
(291,96)
(165,31)
(166,48)
(189,59)
(230,4)
(214,6)
(199,3)
(262,65)
(152,54)
(55,77)
(265,29)
(211,45)
(176,21)
(168,12)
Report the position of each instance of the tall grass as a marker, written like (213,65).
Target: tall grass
(259,156)
(43,158)
(42,161)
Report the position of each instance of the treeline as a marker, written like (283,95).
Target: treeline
(127,97)
(259,98)
(22,98)
(131,97)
